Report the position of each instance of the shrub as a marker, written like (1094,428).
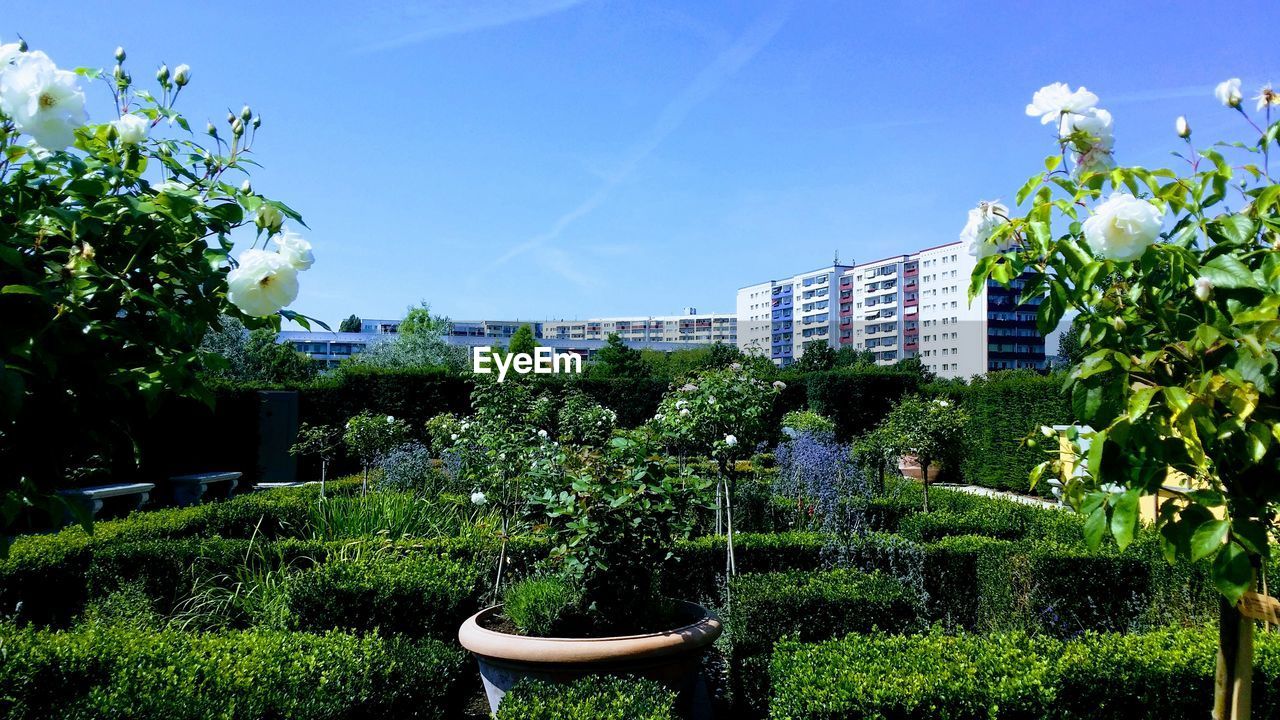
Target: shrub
(415,594)
(698,574)
(807,606)
(1164,675)
(592,698)
(1004,407)
(537,605)
(103,671)
(409,468)
(857,399)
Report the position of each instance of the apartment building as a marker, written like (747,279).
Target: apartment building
(781,317)
(688,327)
(905,306)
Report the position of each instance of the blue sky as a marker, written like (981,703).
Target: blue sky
(535,159)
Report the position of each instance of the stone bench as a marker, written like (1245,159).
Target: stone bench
(92,499)
(190,489)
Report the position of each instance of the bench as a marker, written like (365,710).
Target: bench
(190,489)
(133,497)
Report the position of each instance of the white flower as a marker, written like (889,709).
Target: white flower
(262,283)
(1182,126)
(390,419)
(1094,122)
(658,416)
(711,399)
(1047,431)
(1266,96)
(684,412)
(131,129)
(1204,289)
(943,403)
(268,217)
(1097,159)
(1123,227)
(689,387)
(454,437)
(681,403)
(735,366)
(542,433)
(779,385)
(9,53)
(182,75)
(730,440)
(983,221)
(1051,101)
(478,498)
(43,101)
(295,250)
(1228,92)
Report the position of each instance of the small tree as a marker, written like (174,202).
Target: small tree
(369,436)
(419,342)
(617,360)
(522,341)
(1176,279)
(930,430)
(817,356)
(350,325)
(318,441)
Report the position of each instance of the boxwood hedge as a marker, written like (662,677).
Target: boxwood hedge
(591,698)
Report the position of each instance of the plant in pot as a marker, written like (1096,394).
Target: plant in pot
(594,604)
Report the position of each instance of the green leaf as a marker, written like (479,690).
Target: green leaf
(1094,526)
(19,290)
(1233,572)
(1139,401)
(1226,271)
(1207,539)
(1124,518)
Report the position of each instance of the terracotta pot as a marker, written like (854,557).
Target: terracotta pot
(672,657)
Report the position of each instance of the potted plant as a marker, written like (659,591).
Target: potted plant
(594,605)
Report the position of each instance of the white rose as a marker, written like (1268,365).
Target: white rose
(9,53)
(1123,227)
(43,101)
(681,403)
(454,437)
(735,366)
(131,129)
(1094,122)
(269,217)
(1097,159)
(657,416)
(478,498)
(390,419)
(684,412)
(689,387)
(542,433)
(779,385)
(1182,126)
(1267,97)
(730,440)
(295,249)
(1051,101)
(982,223)
(1204,289)
(1228,92)
(262,283)
(1047,431)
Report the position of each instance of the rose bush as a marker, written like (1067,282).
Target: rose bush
(115,259)
(1176,282)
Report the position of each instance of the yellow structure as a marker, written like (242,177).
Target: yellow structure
(1175,482)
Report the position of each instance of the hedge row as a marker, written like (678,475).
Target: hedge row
(806,606)
(101,671)
(591,698)
(1164,675)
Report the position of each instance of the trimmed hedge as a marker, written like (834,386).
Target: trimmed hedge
(591,698)
(806,606)
(1004,407)
(418,595)
(858,399)
(701,569)
(102,671)
(1164,675)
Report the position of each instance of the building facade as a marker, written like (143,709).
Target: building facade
(906,306)
(780,317)
(689,327)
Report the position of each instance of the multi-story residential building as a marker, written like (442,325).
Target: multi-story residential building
(689,327)
(780,317)
(906,306)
